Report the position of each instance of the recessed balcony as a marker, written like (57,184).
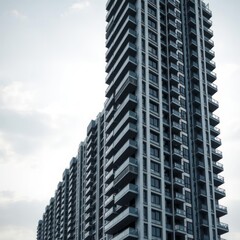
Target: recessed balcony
(122,220)
(110,213)
(177,154)
(180,213)
(180,230)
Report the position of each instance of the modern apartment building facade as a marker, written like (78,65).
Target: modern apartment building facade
(149,166)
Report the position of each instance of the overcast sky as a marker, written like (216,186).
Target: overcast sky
(52,83)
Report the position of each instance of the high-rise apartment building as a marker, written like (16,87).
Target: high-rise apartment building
(149,166)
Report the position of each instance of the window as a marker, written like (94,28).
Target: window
(144,163)
(184,127)
(154,151)
(155,167)
(145,196)
(152,23)
(189,228)
(152,50)
(156,216)
(155,182)
(145,230)
(144,148)
(183,115)
(145,213)
(154,136)
(156,199)
(188,212)
(186,167)
(184,140)
(156,232)
(153,77)
(153,92)
(153,64)
(185,153)
(144,180)
(154,121)
(153,107)
(187,182)
(152,11)
(152,36)
(188,196)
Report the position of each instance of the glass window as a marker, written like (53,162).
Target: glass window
(154,151)
(153,107)
(152,23)
(155,182)
(156,199)
(152,36)
(155,167)
(153,64)
(156,232)
(154,136)
(156,215)
(153,92)
(153,77)
(154,121)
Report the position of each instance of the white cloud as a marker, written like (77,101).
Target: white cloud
(17,14)
(76,7)
(80,5)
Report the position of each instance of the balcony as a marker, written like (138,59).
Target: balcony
(129,103)
(210,65)
(180,230)
(178,182)
(128,149)
(177,140)
(210,54)
(179,213)
(129,132)
(127,86)
(208,32)
(221,210)
(174,79)
(219,193)
(177,154)
(217,167)
(222,228)
(128,193)
(110,214)
(126,172)
(175,91)
(109,202)
(214,119)
(212,88)
(109,189)
(125,218)
(218,180)
(216,142)
(128,234)
(118,44)
(212,104)
(206,11)
(211,76)
(176,115)
(176,127)
(109,177)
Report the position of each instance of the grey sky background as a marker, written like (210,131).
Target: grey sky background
(52,83)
